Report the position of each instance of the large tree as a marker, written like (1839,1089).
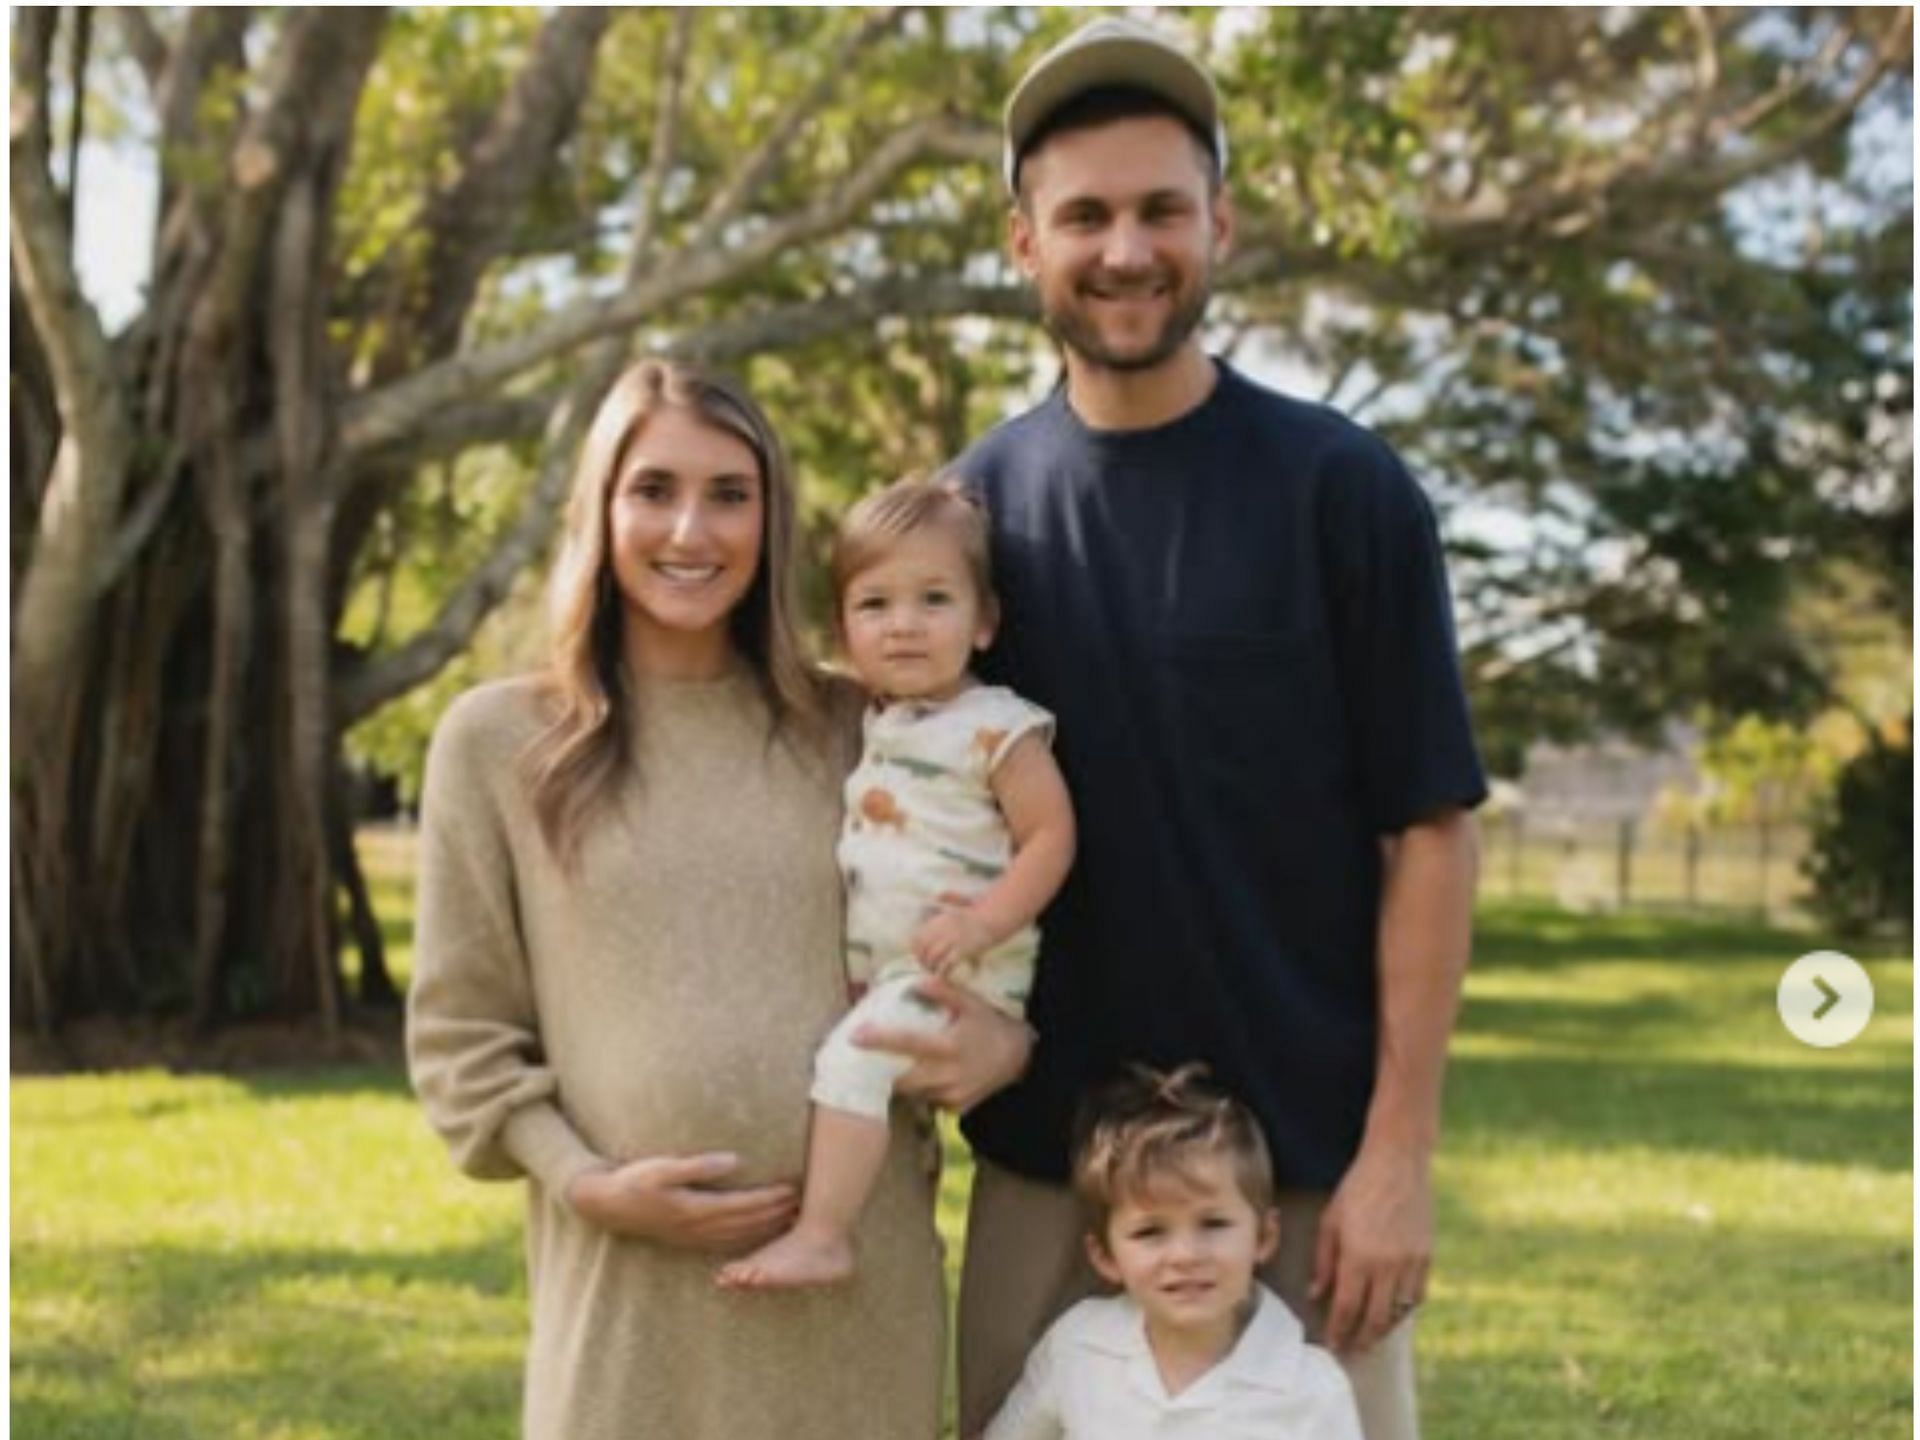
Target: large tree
(398,257)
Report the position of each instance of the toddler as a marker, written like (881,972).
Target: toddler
(1177,1187)
(958,831)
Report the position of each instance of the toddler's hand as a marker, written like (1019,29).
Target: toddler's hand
(951,938)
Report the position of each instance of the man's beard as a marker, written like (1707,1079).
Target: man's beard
(1072,328)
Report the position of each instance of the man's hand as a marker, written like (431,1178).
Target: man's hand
(956,1068)
(1375,1243)
(672,1199)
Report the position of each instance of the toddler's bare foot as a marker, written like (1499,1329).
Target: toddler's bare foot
(797,1260)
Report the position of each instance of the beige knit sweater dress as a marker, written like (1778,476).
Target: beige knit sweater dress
(665,999)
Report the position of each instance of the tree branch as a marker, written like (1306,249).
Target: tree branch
(1650,169)
(140,523)
(30,132)
(664,146)
(1790,86)
(1262,256)
(212,39)
(64,322)
(1894,48)
(1706,59)
(315,44)
(183,241)
(967,143)
(510,419)
(471,222)
(488,421)
(77,55)
(82,496)
(754,172)
(1578,203)
(788,327)
(387,416)
(367,687)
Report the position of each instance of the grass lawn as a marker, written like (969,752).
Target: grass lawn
(1660,1216)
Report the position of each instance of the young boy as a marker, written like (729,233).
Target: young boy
(1177,1188)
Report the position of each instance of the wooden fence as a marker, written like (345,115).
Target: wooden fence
(1616,865)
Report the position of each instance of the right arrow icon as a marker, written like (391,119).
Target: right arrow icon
(1833,997)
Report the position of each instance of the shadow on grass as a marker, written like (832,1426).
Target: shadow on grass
(308,1084)
(1593,1020)
(1519,936)
(273,1086)
(205,1341)
(155,1109)
(1822,1116)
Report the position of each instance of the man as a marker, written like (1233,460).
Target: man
(1235,604)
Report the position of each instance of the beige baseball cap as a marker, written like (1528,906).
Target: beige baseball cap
(1112,51)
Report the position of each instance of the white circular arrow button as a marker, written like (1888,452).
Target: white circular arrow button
(1825,999)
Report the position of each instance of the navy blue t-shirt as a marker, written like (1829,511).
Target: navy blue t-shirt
(1241,621)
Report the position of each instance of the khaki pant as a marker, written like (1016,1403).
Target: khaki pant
(1026,1264)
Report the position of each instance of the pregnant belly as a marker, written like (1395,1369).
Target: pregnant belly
(730,1082)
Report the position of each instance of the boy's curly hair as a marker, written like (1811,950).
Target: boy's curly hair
(1151,1126)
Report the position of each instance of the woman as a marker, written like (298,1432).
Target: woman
(630,942)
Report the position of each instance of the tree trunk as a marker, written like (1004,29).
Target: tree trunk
(222,764)
(155,865)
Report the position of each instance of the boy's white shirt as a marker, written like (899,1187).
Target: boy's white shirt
(1093,1377)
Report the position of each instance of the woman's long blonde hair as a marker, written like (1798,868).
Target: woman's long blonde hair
(576,761)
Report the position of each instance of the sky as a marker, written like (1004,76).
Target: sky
(113,222)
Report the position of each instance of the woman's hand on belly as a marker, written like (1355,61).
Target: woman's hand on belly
(679,1200)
